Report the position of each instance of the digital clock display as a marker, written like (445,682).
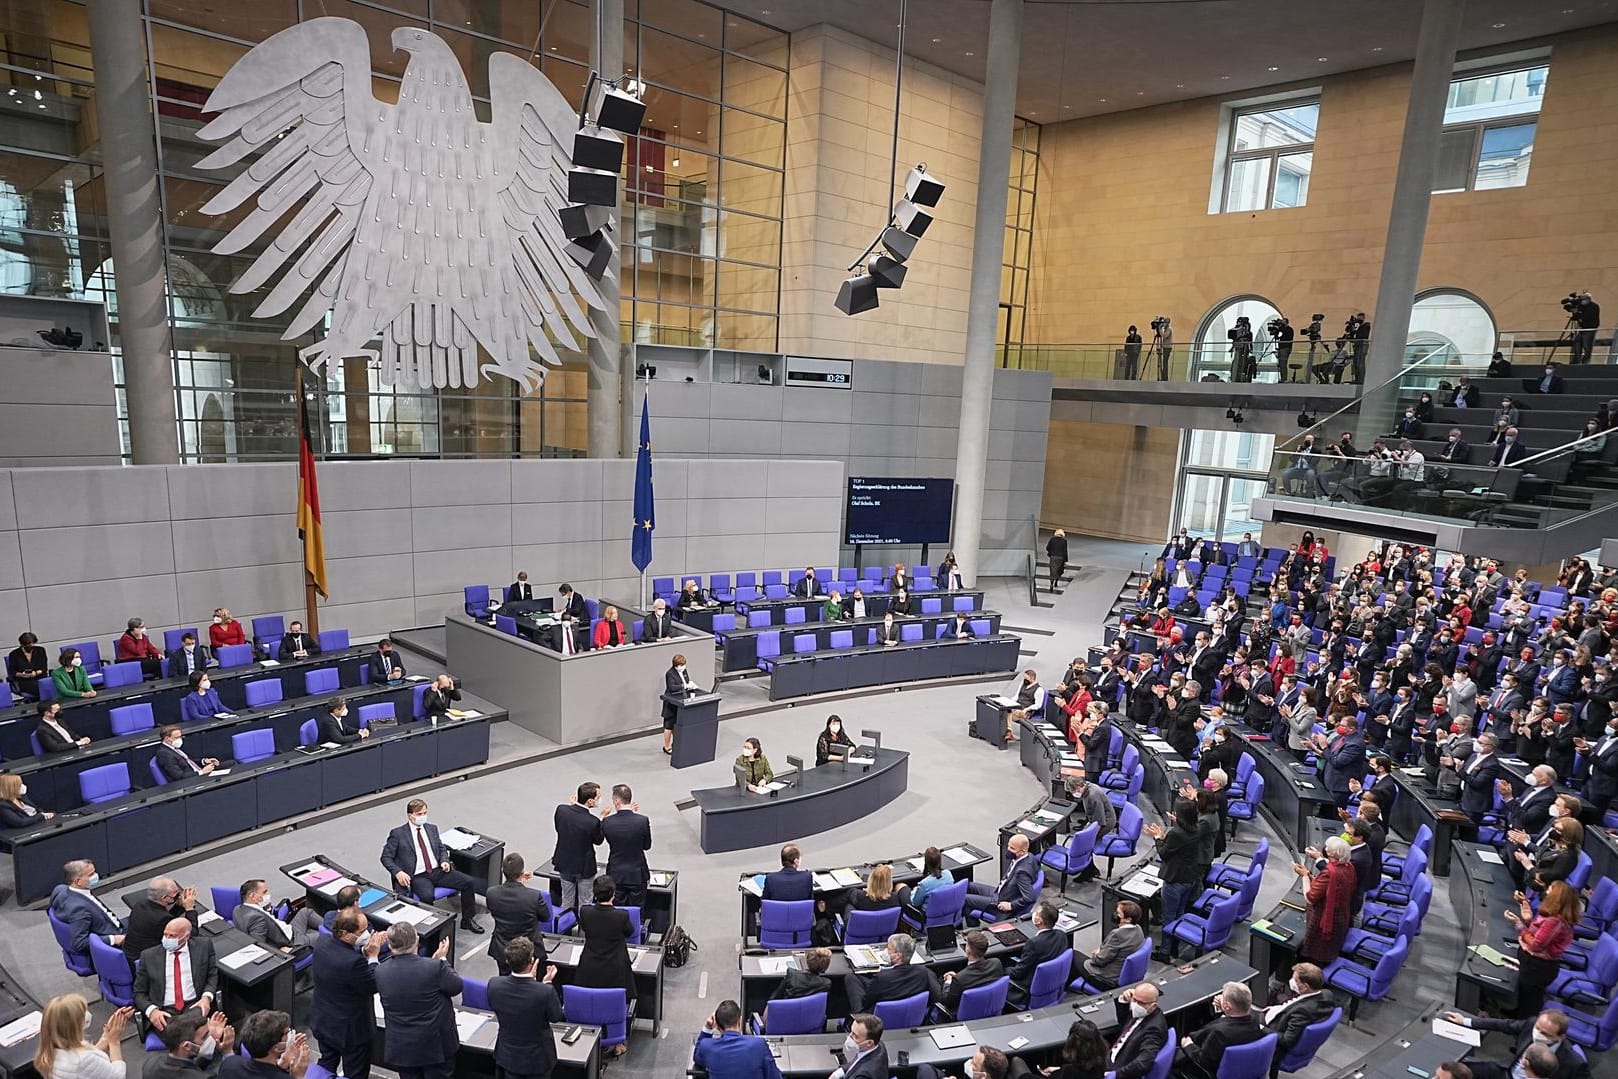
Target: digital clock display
(819,378)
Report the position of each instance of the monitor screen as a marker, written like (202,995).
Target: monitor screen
(898,510)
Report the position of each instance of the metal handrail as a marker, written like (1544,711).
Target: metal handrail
(1355,403)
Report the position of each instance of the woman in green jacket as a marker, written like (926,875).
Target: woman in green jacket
(70,679)
(755,763)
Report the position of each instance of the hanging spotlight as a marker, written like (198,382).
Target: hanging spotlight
(898,243)
(922,189)
(594,148)
(580,220)
(857,294)
(620,107)
(598,156)
(912,218)
(888,272)
(592,252)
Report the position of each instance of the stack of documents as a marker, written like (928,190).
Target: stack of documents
(846,878)
(457,839)
(960,855)
(243,956)
(335,885)
(20,1029)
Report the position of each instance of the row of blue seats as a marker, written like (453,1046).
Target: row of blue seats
(769,642)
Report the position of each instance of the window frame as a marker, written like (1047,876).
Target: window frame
(1271,154)
(1479,128)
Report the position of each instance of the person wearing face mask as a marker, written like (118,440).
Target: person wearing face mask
(190,658)
(1234,1025)
(755,766)
(270,1049)
(1602,758)
(833,743)
(1529,810)
(987,1062)
(1410,425)
(150,915)
(1477,775)
(1522,848)
(1180,725)
(1549,381)
(1452,748)
(863,1054)
(225,630)
(1509,449)
(1143,1030)
(332,725)
(1306,1001)
(1543,937)
(578,834)
(256,916)
(676,683)
(418,862)
(177,977)
(16,811)
(52,730)
(1383,788)
(203,702)
(340,1009)
(175,763)
(1343,753)
(81,910)
(1547,1029)
(417,993)
(64,1049)
(69,677)
(195,1047)
(887,634)
(134,646)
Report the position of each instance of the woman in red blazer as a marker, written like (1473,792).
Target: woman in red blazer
(610,632)
(225,630)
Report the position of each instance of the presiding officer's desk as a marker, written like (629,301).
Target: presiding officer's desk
(53,780)
(269,981)
(739,647)
(1182,997)
(818,800)
(876,605)
(881,665)
(662,906)
(475,1057)
(1293,794)
(88,717)
(762,973)
(1417,803)
(646,962)
(1599,842)
(147,825)
(567,699)
(381,903)
(1482,892)
(959,860)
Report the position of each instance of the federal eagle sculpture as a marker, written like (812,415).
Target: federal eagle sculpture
(414,225)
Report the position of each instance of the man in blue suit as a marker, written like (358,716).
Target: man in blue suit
(789,883)
(416,860)
(1344,753)
(1015,890)
(340,1011)
(526,1007)
(74,904)
(724,1052)
(418,1007)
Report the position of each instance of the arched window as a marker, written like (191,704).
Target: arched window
(196,299)
(1211,349)
(1453,324)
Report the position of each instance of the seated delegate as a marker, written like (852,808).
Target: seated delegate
(296,644)
(833,743)
(16,811)
(27,664)
(385,663)
(610,631)
(175,763)
(225,630)
(417,862)
(190,657)
(179,975)
(53,732)
(69,678)
(203,701)
(755,765)
(332,725)
(135,647)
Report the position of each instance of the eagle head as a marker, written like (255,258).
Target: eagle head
(411,40)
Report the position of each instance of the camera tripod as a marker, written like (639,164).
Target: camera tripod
(1569,336)
(1154,352)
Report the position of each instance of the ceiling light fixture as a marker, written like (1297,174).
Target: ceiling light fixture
(971,54)
(1376,48)
(1321,59)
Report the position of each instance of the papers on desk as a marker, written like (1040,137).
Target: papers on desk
(865,957)
(269,663)
(951,1037)
(416,678)
(220,772)
(1455,1032)
(1003,701)
(777,964)
(465,713)
(335,885)
(1491,857)
(1067,921)
(208,917)
(960,855)
(766,788)
(753,885)
(567,953)
(242,956)
(1144,885)
(224,715)
(1414,771)
(468,1023)
(1032,827)
(663,880)
(407,912)
(1048,814)
(314,874)
(824,882)
(1489,954)
(371,895)
(846,878)
(458,839)
(20,1030)
(330,745)
(917,864)
(863,762)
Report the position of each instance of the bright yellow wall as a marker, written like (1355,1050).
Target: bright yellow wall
(1123,230)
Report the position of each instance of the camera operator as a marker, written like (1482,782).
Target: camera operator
(1358,331)
(1242,367)
(1132,345)
(1283,333)
(1585,313)
(1379,480)
(1164,345)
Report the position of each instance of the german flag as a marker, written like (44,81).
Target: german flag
(314,544)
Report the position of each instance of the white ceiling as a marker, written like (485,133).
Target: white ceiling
(1088,57)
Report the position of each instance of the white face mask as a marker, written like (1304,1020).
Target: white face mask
(218,621)
(177,743)
(1557,811)
(78,661)
(204,685)
(1542,1039)
(851,1048)
(1138,1010)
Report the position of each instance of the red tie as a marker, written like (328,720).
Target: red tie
(426,856)
(179,990)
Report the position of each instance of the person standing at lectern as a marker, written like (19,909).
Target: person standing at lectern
(676,683)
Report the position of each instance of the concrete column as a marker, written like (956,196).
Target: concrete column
(135,226)
(983,300)
(606,389)
(1407,220)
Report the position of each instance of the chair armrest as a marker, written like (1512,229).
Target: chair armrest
(756,1023)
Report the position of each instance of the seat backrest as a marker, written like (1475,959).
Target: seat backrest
(1160,1063)
(1581,873)
(321,680)
(1136,964)
(263,691)
(1130,822)
(984,1001)
(1050,980)
(962,603)
(607,1008)
(155,770)
(802,1015)
(332,640)
(505,624)
(250,746)
(308,732)
(1220,921)
(235,655)
(910,631)
(129,718)
(1130,759)
(112,970)
(945,904)
(376,713)
(748,579)
(90,652)
(758,619)
(1387,967)
(775,591)
(225,901)
(719,582)
(905,1012)
(121,674)
(842,638)
(724,623)
(476,597)
(1424,838)
(804,642)
(980,627)
(1415,864)
(932,605)
(870,926)
(769,644)
(1250,1061)
(1244,766)
(475,993)
(1255,790)
(1309,1042)
(1261,853)
(785,923)
(171,637)
(62,932)
(796,616)
(104,783)
(268,627)
(1082,843)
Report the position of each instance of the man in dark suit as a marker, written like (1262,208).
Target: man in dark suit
(273,1049)
(1309,1003)
(256,917)
(193,1047)
(1142,1035)
(76,905)
(807,980)
(808,585)
(1344,753)
(418,1007)
(1509,450)
(888,632)
(526,1006)
(332,725)
(1478,777)
(175,763)
(179,975)
(1530,810)
(790,883)
(517,910)
(659,624)
(578,833)
(572,608)
(296,644)
(190,657)
(1015,890)
(1456,449)
(418,862)
(1551,1028)
(1550,381)
(164,901)
(340,1011)
(980,970)
(1236,1025)
(724,1052)
(629,836)
(870,1060)
(1047,944)
(899,979)
(385,664)
(520,591)
(440,697)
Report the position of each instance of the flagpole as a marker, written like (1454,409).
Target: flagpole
(311,608)
(643,396)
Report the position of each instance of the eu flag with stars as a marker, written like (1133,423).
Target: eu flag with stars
(640,541)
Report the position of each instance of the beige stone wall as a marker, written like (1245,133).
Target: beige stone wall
(1123,229)
(1109,479)
(839,134)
